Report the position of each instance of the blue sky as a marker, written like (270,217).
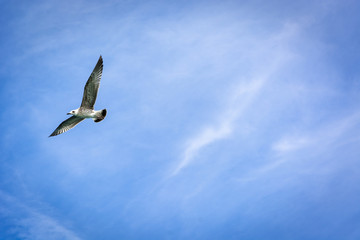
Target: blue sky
(226,120)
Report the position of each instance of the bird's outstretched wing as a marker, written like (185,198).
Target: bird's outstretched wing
(66,125)
(92,86)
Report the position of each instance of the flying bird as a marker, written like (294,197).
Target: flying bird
(86,110)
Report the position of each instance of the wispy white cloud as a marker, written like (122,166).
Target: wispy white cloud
(207,136)
(310,143)
(225,126)
(244,94)
(291,144)
(322,137)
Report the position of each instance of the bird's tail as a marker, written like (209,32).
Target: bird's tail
(100,115)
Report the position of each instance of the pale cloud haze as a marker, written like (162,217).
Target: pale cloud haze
(226,120)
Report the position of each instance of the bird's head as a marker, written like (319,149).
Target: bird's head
(73,112)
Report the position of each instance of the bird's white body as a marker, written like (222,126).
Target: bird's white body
(85,113)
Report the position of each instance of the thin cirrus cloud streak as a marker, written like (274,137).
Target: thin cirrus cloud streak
(32,224)
(273,54)
(242,98)
(223,130)
(322,138)
(325,138)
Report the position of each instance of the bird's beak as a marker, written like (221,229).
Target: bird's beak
(68,113)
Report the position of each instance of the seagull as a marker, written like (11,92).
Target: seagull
(86,110)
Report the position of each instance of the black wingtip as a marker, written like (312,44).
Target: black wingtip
(53,134)
(100,61)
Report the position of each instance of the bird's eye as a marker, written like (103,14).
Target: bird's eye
(73,111)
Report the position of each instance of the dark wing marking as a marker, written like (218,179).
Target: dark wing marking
(92,86)
(66,125)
